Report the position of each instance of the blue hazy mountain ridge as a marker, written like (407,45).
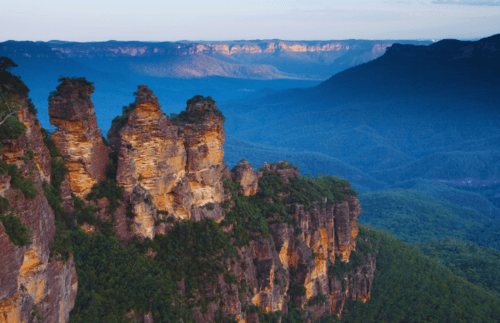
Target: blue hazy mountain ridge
(40,67)
(422,120)
(417,111)
(177,70)
(303,59)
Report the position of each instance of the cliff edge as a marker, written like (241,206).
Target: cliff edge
(32,285)
(240,245)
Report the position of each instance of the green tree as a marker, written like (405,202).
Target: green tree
(6,64)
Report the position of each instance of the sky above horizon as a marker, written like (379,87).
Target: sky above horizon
(155,20)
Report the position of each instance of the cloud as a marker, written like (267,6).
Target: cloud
(469,2)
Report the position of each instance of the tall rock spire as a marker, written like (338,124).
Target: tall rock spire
(78,138)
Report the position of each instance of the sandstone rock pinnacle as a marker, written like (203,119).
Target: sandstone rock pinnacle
(177,162)
(247,178)
(78,138)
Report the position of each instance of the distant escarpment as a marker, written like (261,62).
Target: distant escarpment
(35,285)
(243,59)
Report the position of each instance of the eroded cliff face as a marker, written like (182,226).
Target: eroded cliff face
(208,48)
(77,136)
(297,263)
(297,249)
(173,169)
(30,285)
(246,176)
(177,164)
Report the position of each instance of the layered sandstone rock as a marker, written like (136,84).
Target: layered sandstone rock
(246,176)
(172,169)
(29,283)
(274,268)
(78,138)
(177,162)
(326,235)
(283,169)
(204,137)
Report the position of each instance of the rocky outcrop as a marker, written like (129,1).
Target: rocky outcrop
(174,168)
(177,162)
(77,136)
(283,169)
(204,136)
(295,264)
(282,248)
(30,285)
(246,176)
(324,236)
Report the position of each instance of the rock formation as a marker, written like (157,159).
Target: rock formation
(178,162)
(175,166)
(246,176)
(78,138)
(30,285)
(301,254)
(295,264)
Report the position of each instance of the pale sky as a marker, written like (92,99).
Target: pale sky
(166,20)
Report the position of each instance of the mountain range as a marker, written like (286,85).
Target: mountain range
(416,112)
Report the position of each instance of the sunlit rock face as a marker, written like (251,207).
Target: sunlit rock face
(246,176)
(204,136)
(177,162)
(212,48)
(274,268)
(78,138)
(28,281)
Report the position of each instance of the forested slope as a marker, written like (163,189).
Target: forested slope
(411,287)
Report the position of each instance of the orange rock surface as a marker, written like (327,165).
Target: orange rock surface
(27,278)
(78,138)
(178,163)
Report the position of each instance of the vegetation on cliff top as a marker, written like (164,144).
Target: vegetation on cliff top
(115,277)
(274,203)
(12,89)
(79,82)
(9,82)
(192,115)
(120,121)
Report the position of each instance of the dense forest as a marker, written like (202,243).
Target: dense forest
(411,287)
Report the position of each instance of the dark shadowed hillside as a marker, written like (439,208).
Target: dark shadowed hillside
(427,112)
